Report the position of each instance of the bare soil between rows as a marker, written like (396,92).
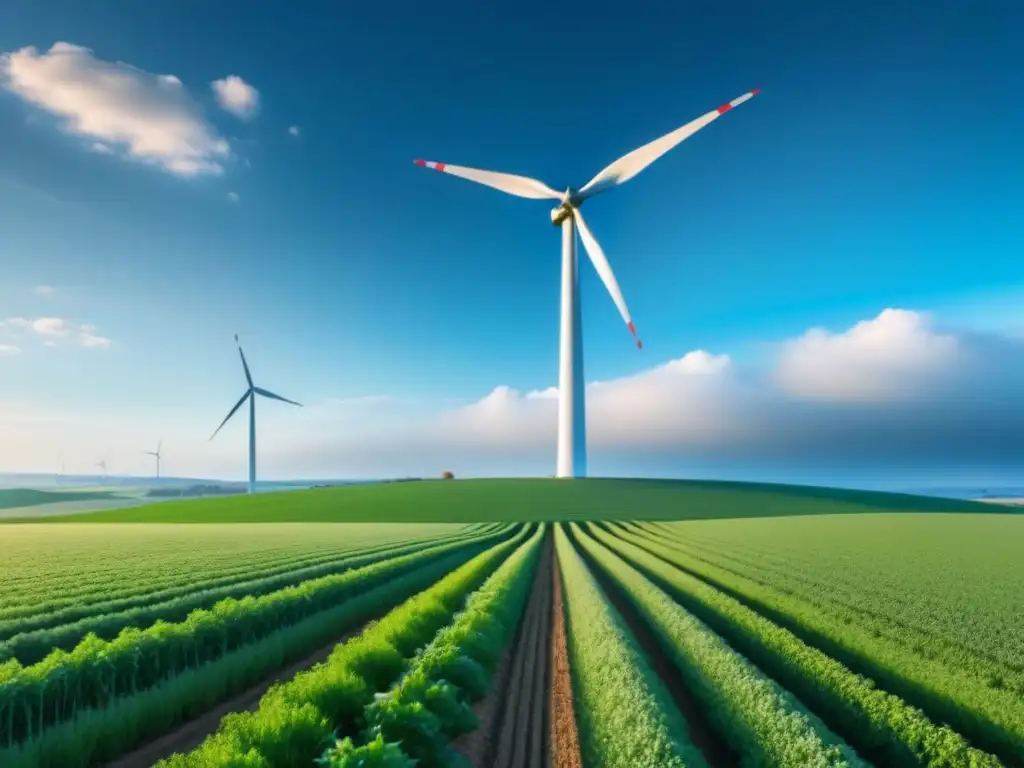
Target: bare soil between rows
(563,733)
(513,730)
(715,750)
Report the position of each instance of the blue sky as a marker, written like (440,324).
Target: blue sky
(879,168)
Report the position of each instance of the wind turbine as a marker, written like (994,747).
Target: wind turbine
(102,464)
(157,454)
(572,442)
(250,395)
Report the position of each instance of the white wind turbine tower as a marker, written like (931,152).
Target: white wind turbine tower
(250,395)
(156,453)
(572,441)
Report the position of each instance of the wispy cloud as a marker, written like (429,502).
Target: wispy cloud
(44,290)
(233,197)
(57,330)
(294,130)
(236,96)
(151,119)
(9,349)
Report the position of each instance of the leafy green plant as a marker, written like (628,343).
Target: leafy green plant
(377,656)
(429,706)
(882,726)
(767,725)
(626,716)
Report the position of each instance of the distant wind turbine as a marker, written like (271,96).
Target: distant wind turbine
(157,454)
(571,459)
(102,464)
(250,395)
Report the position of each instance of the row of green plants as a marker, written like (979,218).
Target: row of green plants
(431,703)
(763,722)
(32,645)
(96,736)
(296,720)
(952,578)
(627,718)
(115,590)
(984,710)
(881,726)
(990,653)
(98,671)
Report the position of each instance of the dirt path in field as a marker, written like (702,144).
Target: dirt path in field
(563,735)
(716,751)
(513,729)
(192,733)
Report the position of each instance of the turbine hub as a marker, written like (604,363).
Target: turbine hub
(569,201)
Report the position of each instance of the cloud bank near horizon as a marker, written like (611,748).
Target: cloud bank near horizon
(897,390)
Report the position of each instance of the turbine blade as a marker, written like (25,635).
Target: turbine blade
(521,186)
(245,365)
(628,166)
(272,396)
(604,269)
(232,412)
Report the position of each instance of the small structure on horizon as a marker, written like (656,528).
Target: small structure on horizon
(447,475)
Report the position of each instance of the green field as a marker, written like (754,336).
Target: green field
(528,500)
(27,497)
(708,624)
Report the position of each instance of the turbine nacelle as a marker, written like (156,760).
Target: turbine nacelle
(570,200)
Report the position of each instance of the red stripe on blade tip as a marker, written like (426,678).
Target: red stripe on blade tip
(724,108)
(438,166)
(420,163)
(632,329)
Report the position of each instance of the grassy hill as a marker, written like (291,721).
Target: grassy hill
(531,499)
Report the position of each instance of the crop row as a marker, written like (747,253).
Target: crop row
(162,554)
(626,716)
(763,721)
(98,671)
(294,720)
(915,581)
(32,646)
(948,689)
(430,704)
(99,735)
(97,591)
(879,725)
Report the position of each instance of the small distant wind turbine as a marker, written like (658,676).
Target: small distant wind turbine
(102,464)
(250,395)
(157,454)
(572,443)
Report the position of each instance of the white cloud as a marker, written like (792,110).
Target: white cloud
(233,197)
(149,118)
(50,326)
(91,340)
(9,349)
(54,330)
(294,130)
(44,290)
(236,96)
(892,355)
